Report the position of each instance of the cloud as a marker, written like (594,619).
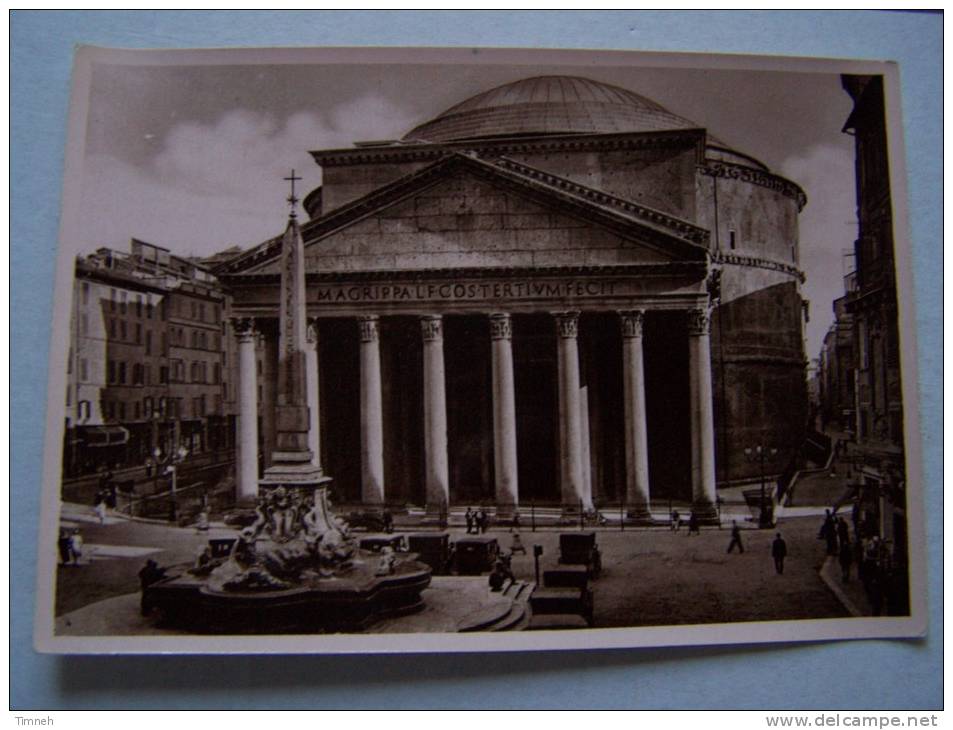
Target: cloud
(827,228)
(214,185)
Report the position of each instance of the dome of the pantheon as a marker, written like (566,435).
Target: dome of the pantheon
(550,105)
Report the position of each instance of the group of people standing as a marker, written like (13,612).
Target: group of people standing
(477,521)
(871,555)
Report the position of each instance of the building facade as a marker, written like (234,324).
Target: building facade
(873,309)
(556,292)
(147,363)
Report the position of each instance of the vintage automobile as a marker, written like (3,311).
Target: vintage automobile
(474,555)
(579,548)
(434,549)
(563,600)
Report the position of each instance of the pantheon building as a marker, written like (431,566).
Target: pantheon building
(555,293)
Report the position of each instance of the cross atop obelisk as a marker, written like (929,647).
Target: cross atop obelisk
(292,200)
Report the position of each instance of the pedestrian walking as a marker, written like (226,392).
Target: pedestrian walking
(828,532)
(517,546)
(676,520)
(76,546)
(843,531)
(735,538)
(515,525)
(846,558)
(779,551)
(388,521)
(63,545)
(468,516)
(101,508)
(484,520)
(693,526)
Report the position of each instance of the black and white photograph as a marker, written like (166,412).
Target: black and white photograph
(459,350)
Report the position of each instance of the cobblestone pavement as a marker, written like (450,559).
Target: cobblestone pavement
(651,576)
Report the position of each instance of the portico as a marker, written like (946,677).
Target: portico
(448,315)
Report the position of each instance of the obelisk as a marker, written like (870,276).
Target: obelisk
(292,465)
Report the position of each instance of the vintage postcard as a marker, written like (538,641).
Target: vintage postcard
(367,350)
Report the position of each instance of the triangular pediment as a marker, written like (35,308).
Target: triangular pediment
(466,213)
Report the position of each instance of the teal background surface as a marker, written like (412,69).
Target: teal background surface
(841,675)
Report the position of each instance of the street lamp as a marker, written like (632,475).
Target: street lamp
(757,455)
(167,463)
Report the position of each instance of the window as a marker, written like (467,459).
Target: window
(112,300)
(137,374)
(148,342)
(122,373)
(163,375)
(731,240)
(147,406)
(83,369)
(112,329)
(149,309)
(138,333)
(122,411)
(136,412)
(193,310)
(147,374)
(164,350)
(83,410)
(202,312)
(138,305)
(69,395)
(216,373)
(83,324)
(69,362)
(122,301)
(122,330)
(110,371)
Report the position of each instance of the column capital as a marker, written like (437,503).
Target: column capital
(567,323)
(369,327)
(431,327)
(501,326)
(244,328)
(699,320)
(631,320)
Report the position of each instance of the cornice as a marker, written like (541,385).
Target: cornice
(681,138)
(679,268)
(720,257)
(761,178)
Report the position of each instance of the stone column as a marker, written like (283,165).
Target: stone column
(372,419)
(247,471)
(314,396)
(703,430)
(636,433)
(435,416)
(570,422)
(504,416)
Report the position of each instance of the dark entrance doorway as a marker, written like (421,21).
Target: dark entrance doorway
(467,362)
(537,447)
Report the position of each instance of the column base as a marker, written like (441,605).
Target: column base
(507,511)
(706,513)
(436,514)
(640,516)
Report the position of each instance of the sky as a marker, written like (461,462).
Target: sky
(191,157)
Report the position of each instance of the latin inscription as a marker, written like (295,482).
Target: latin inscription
(465,291)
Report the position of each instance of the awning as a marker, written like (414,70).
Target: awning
(98,436)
